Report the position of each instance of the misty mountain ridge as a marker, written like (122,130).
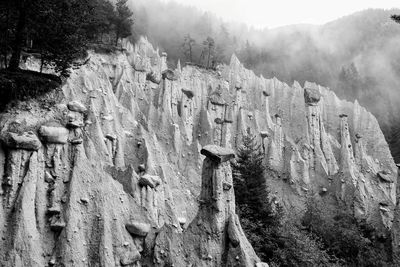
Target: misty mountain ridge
(356,56)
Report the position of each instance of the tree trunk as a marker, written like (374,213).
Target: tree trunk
(41,62)
(116,39)
(6,37)
(19,37)
(208,59)
(201,57)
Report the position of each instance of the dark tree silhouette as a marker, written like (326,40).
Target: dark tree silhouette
(8,16)
(101,21)
(123,21)
(396,18)
(23,7)
(250,181)
(209,49)
(259,215)
(187,46)
(58,31)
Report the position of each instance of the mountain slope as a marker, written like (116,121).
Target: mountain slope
(112,174)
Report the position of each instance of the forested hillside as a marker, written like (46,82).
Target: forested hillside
(58,32)
(357,56)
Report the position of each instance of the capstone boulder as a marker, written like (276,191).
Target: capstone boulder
(76,106)
(138,228)
(218,154)
(26,141)
(54,134)
(150,180)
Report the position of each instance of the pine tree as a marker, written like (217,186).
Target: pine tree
(395,18)
(59,31)
(259,216)
(22,7)
(8,14)
(209,49)
(101,21)
(123,21)
(187,46)
(252,190)
(248,53)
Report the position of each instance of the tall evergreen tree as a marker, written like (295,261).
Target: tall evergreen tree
(60,31)
(101,20)
(48,25)
(209,50)
(187,46)
(395,18)
(123,21)
(350,82)
(259,216)
(8,15)
(57,30)
(23,8)
(252,190)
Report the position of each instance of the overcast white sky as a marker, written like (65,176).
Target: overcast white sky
(274,13)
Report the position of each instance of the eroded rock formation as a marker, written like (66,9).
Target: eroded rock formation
(112,175)
(214,237)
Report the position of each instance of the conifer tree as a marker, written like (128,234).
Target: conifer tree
(60,33)
(7,19)
(259,216)
(57,30)
(249,178)
(101,21)
(22,8)
(123,20)
(187,46)
(209,49)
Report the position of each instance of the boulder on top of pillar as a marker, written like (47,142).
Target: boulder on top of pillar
(77,107)
(312,94)
(26,141)
(218,154)
(150,180)
(216,98)
(264,134)
(189,93)
(54,134)
(170,75)
(154,77)
(138,228)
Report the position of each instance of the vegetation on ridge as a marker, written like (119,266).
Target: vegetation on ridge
(58,32)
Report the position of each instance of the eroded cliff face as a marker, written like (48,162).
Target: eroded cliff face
(112,174)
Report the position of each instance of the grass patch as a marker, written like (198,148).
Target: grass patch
(24,84)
